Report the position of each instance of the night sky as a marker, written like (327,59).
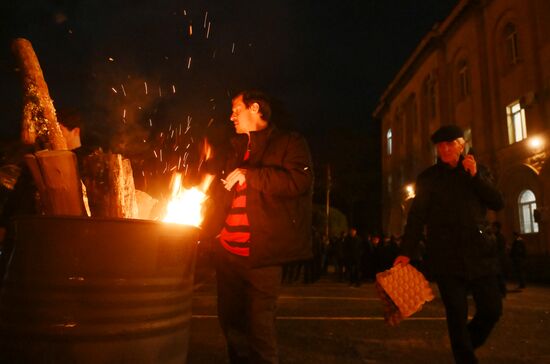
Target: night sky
(327,62)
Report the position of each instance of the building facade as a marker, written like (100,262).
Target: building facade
(486,68)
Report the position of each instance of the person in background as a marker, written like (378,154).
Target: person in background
(518,255)
(353,248)
(451,202)
(501,251)
(261,214)
(24,199)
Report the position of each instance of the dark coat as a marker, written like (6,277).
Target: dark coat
(278,196)
(452,206)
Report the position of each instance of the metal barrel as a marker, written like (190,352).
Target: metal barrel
(81,290)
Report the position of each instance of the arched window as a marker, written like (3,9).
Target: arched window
(527,204)
(389,141)
(463,79)
(511,43)
(429,94)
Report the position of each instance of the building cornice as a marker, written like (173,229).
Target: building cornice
(430,41)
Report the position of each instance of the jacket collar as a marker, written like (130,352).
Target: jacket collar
(257,138)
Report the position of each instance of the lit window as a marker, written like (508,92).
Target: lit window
(527,204)
(516,122)
(468,139)
(389,141)
(463,79)
(511,41)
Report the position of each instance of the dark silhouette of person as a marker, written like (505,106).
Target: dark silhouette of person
(518,255)
(451,203)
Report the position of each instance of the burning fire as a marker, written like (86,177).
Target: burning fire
(185,205)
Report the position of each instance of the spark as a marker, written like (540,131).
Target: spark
(150,122)
(171,169)
(208,31)
(184,12)
(155,153)
(233,48)
(176,148)
(179,162)
(124,113)
(214,54)
(173,89)
(205,17)
(189,63)
(114,90)
(111,59)
(123,90)
(211,121)
(145,83)
(172,135)
(190,29)
(160,92)
(143,173)
(161,155)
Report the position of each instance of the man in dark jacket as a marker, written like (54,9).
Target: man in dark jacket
(452,198)
(262,214)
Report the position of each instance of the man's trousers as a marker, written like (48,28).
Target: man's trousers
(247,302)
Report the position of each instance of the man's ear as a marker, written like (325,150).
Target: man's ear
(255,107)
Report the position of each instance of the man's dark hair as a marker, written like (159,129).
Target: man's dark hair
(259,97)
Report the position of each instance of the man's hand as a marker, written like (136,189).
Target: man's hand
(404,260)
(238,175)
(470,164)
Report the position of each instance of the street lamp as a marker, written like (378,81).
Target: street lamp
(410,191)
(535,143)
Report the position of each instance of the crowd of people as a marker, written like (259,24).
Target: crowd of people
(348,257)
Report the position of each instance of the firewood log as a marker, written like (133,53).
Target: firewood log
(56,176)
(39,119)
(110,186)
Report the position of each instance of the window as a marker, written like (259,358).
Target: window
(516,122)
(468,139)
(432,97)
(511,43)
(428,98)
(389,141)
(463,79)
(527,204)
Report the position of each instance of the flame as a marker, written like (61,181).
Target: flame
(185,205)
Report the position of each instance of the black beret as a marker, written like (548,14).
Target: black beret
(447,133)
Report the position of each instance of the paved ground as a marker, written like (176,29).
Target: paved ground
(329,322)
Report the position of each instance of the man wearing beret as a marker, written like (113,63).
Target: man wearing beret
(452,198)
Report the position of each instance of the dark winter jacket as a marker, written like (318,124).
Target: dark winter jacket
(279,183)
(452,206)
